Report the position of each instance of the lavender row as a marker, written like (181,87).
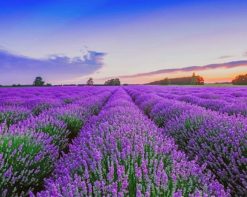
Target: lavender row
(27,96)
(217,140)
(236,107)
(122,153)
(14,111)
(232,101)
(30,148)
(223,93)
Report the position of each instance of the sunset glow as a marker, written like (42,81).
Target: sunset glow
(70,41)
(210,76)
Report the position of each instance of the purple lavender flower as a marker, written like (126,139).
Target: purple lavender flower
(130,161)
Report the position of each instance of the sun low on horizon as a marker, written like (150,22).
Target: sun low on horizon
(138,41)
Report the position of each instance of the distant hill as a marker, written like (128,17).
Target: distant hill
(193,80)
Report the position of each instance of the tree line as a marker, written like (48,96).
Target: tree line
(240,80)
(38,81)
(110,82)
(193,80)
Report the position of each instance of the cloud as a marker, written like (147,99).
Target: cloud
(232,64)
(53,68)
(225,56)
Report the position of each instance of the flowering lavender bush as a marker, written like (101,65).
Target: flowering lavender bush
(122,153)
(24,162)
(68,101)
(217,140)
(225,100)
(235,108)
(29,145)
(48,124)
(74,116)
(73,124)
(12,114)
(39,108)
(94,141)
(165,110)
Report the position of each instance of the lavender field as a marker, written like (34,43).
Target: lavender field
(123,141)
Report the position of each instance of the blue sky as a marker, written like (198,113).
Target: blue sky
(102,38)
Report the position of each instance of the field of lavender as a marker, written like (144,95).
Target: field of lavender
(123,141)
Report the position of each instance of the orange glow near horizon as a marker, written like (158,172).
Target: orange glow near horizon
(210,76)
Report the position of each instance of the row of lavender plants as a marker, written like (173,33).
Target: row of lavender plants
(214,139)
(232,101)
(121,152)
(30,147)
(22,104)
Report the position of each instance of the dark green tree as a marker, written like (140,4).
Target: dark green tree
(90,81)
(240,80)
(113,82)
(197,80)
(38,81)
(193,79)
(165,81)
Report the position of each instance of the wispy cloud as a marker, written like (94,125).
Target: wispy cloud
(53,68)
(225,56)
(232,64)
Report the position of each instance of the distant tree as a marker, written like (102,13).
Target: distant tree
(165,81)
(16,85)
(38,81)
(240,80)
(197,79)
(193,79)
(117,82)
(90,81)
(200,80)
(113,82)
(48,84)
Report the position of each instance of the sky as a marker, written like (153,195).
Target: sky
(68,41)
